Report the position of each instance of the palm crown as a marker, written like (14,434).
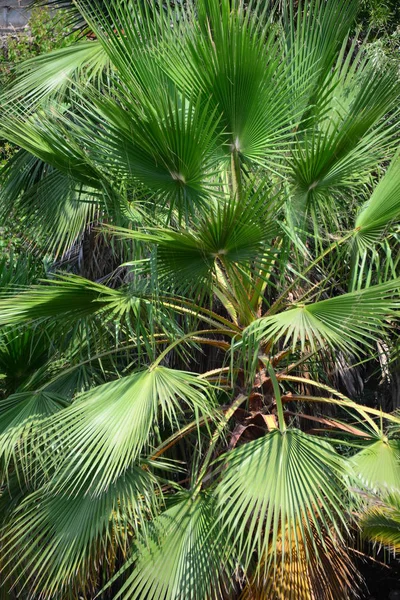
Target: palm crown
(233,157)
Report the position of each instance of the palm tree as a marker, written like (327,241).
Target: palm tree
(223,151)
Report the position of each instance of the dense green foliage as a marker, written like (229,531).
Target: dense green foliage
(216,186)
(45,32)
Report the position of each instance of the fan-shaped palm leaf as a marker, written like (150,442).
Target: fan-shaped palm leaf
(20,414)
(51,73)
(381,522)
(234,233)
(57,541)
(107,428)
(381,209)
(345,322)
(378,465)
(287,482)
(179,558)
(31,187)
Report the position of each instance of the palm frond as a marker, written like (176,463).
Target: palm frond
(346,322)
(167,146)
(107,428)
(56,541)
(234,233)
(283,482)
(66,296)
(230,57)
(381,209)
(338,154)
(51,73)
(30,187)
(378,465)
(179,557)
(312,38)
(21,414)
(381,522)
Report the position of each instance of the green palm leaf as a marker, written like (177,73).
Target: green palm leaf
(68,296)
(107,428)
(31,187)
(381,209)
(312,38)
(168,147)
(230,57)
(20,414)
(57,542)
(381,522)
(179,558)
(378,465)
(283,482)
(233,233)
(345,322)
(51,73)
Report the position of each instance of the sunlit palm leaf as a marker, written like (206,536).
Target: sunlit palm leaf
(167,147)
(313,37)
(51,73)
(345,322)
(378,465)
(230,57)
(107,428)
(70,297)
(381,209)
(281,482)
(232,233)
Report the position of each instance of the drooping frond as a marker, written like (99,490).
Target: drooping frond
(380,523)
(52,73)
(21,414)
(32,188)
(58,542)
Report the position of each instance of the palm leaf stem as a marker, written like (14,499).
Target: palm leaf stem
(331,390)
(279,301)
(349,404)
(202,313)
(215,437)
(278,398)
(187,336)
